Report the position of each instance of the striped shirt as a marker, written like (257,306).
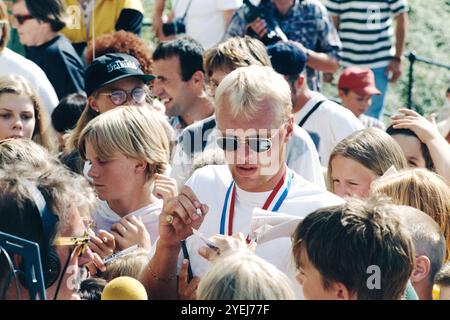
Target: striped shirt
(365,29)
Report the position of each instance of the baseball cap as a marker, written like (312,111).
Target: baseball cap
(359,80)
(287,58)
(112,67)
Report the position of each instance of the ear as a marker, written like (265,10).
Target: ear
(198,78)
(289,128)
(141,166)
(93,104)
(300,81)
(421,269)
(341,292)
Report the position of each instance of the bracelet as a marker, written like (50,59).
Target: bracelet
(396,59)
(155,276)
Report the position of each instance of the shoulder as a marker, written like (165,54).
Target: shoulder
(211,175)
(22,65)
(305,191)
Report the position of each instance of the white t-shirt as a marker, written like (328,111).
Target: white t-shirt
(301,154)
(303,198)
(13,63)
(204,20)
(328,125)
(104,217)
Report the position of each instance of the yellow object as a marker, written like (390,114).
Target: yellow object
(124,288)
(105,15)
(436,291)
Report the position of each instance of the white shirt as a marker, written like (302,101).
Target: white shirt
(302,199)
(104,217)
(13,63)
(204,20)
(328,125)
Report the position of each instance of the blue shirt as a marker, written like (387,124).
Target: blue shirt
(307,22)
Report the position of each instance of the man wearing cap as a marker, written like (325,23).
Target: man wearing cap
(356,87)
(326,121)
(111,80)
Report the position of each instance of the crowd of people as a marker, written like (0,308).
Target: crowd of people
(210,166)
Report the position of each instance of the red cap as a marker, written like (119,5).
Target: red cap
(360,80)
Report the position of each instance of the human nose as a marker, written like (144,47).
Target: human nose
(341,190)
(242,152)
(93,171)
(18,124)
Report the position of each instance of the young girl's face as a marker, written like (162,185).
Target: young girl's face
(350,178)
(17,117)
(411,147)
(114,179)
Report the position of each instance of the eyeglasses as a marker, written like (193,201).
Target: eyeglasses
(21,18)
(119,97)
(257,144)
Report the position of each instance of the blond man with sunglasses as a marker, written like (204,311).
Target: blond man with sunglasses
(253,112)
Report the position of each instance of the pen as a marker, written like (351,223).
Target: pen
(120,254)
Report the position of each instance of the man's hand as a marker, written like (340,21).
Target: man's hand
(395,68)
(179,216)
(259,27)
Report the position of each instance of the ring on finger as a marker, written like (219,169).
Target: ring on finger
(169,219)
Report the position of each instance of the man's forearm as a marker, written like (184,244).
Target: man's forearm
(160,276)
(400,33)
(322,62)
(158,8)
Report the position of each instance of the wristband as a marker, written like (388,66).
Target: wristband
(396,59)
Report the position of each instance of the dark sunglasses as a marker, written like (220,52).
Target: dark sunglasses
(119,97)
(21,18)
(255,143)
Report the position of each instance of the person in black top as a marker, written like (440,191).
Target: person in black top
(38,24)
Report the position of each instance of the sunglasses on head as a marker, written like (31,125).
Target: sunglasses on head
(119,97)
(21,18)
(256,144)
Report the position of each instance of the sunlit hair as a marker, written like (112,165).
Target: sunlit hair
(234,53)
(136,132)
(130,265)
(242,275)
(26,150)
(372,148)
(421,189)
(248,89)
(122,42)
(61,188)
(4,25)
(16,84)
